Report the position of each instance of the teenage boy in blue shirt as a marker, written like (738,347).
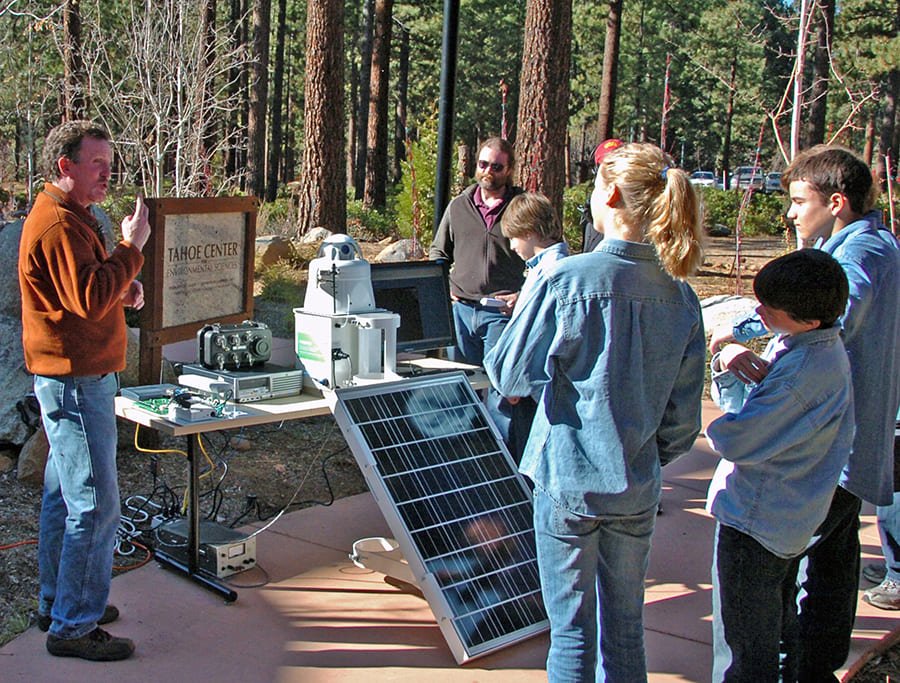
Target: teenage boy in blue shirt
(535,233)
(831,191)
(784,443)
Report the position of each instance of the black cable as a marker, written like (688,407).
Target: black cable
(254,505)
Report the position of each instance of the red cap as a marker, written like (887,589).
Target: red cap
(605,148)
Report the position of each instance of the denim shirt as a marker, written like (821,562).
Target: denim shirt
(870,256)
(783,442)
(538,265)
(617,347)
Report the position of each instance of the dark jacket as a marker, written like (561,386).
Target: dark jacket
(482,262)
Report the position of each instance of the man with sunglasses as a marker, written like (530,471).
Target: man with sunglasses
(483,265)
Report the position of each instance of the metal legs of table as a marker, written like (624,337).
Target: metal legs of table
(192,569)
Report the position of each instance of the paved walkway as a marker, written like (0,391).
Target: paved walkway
(320,618)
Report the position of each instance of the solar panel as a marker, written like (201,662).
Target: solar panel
(455,504)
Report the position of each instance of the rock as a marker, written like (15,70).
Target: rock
(272,248)
(10,299)
(129,376)
(719,230)
(106,227)
(17,380)
(723,309)
(6,463)
(315,235)
(240,443)
(404,250)
(33,458)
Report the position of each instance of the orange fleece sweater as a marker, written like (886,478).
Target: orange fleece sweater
(73,320)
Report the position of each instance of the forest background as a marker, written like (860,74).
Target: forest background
(328,110)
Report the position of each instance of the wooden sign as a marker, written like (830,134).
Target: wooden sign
(198,270)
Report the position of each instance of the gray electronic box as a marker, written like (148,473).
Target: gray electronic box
(267,381)
(223,551)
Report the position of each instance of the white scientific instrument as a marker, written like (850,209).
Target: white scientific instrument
(341,338)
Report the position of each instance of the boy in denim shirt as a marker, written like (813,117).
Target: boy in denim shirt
(535,233)
(784,442)
(832,192)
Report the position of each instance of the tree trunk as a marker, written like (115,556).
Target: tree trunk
(544,98)
(375,195)
(75,91)
(869,149)
(276,134)
(365,75)
(206,123)
(289,164)
(800,64)
(322,195)
(237,94)
(888,116)
(729,120)
(462,169)
(821,71)
(259,95)
(352,122)
(400,121)
(610,71)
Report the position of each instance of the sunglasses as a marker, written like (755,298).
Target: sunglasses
(496,168)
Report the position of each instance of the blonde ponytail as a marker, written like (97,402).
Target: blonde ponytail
(659,200)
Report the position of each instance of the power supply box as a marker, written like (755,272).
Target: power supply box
(222,552)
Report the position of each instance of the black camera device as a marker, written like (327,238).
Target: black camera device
(234,347)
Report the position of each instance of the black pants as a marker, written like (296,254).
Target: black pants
(756,591)
(829,580)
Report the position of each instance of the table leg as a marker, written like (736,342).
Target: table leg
(192,569)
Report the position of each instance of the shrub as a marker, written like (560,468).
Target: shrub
(368,225)
(764,215)
(573,198)
(421,161)
(276,218)
(282,282)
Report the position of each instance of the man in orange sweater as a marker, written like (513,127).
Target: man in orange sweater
(73,332)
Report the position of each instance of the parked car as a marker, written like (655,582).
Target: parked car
(773,182)
(704,178)
(747,176)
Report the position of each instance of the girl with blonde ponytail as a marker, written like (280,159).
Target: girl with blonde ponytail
(613,342)
(655,203)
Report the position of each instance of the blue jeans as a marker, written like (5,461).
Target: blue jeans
(80,508)
(829,582)
(754,607)
(889,530)
(592,579)
(477,330)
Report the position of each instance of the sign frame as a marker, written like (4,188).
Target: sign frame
(155,332)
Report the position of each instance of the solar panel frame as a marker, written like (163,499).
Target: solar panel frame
(457,507)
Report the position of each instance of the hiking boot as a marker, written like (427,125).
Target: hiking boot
(886,595)
(110,614)
(874,572)
(97,646)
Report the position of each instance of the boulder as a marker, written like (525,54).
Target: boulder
(404,250)
(10,299)
(129,376)
(18,381)
(723,309)
(272,248)
(7,462)
(315,235)
(33,458)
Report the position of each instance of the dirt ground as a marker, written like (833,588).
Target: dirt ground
(254,473)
